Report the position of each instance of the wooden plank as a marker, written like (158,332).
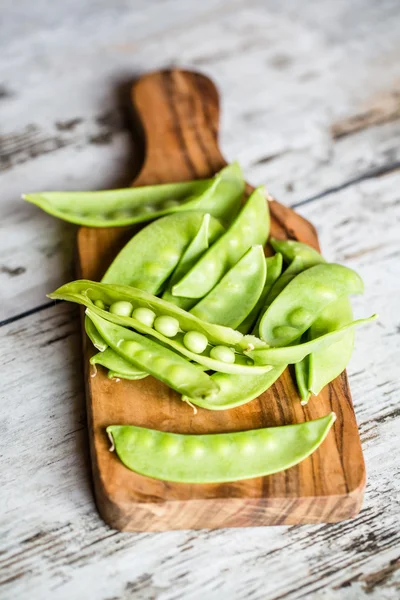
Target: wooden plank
(66,128)
(180,118)
(53,544)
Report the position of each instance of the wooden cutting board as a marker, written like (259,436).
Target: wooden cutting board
(179,112)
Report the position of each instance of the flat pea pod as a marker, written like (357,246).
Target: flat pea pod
(301,301)
(119,208)
(327,364)
(150,257)
(217,457)
(87,292)
(250,228)
(274,269)
(94,335)
(118,366)
(161,362)
(231,300)
(295,353)
(199,244)
(236,390)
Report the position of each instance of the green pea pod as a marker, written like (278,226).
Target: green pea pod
(327,364)
(217,457)
(94,335)
(219,196)
(150,257)
(293,354)
(161,362)
(274,269)
(86,292)
(231,300)
(235,390)
(199,244)
(301,370)
(251,227)
(118,366)
(303,299)
(291,249)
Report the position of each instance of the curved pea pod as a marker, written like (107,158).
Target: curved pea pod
(199,244)
(94,335)
(300,303)
(235,390)
(219,196)
(86,292)
(161,362)
(302,371)
(328,363)
(250,228)
(217,457)
(274,269)
(231,300)
(150,257)
(293,354)
(118,366)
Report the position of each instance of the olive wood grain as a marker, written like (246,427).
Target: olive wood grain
(179,112)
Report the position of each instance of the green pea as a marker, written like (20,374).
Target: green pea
(168,326)
(195,341)
(121,308)
(100,304)
(144,315)
(223,353)
(217,457)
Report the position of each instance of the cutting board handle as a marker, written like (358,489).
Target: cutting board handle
(179,113)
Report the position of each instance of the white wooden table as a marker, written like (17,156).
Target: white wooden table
(311,106)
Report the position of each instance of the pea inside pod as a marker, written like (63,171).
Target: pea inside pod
(218,457)
(299,304)
(250,228)
(161,362)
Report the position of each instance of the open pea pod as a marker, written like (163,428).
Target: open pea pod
(250,228)
(161,362)
(88,292)
(296,353)
(236,390)
(118,366)
(199,244)
(217,457)
(219,196)
(301,301)
(231,300)
(150,257)
(274,268)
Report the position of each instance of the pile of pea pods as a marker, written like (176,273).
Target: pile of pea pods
(193,301)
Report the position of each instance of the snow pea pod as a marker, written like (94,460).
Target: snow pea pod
(231,300)
(161,362)
(118,366)
(274,269)
(235,390)
(301,301)
(150,257)
(251,227)
(301,370)
(293,354)
(85,292)
(199,244)
(217,457)
(219,196)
